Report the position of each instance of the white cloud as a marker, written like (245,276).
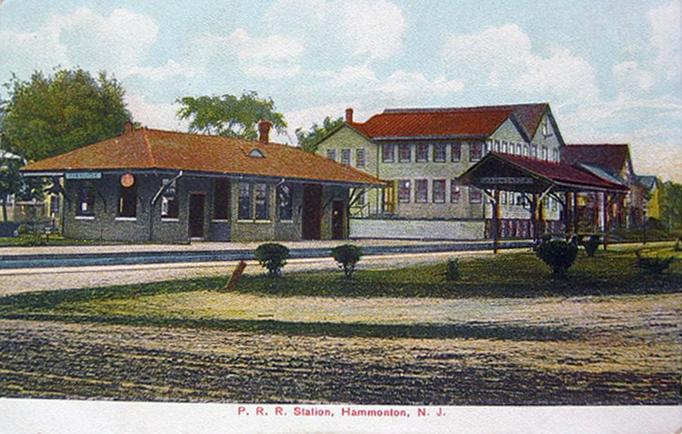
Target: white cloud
(629,75)
(403,85)
(154,114)
(666,37)
(364,28)
(505,57)
(164,72)
(116,42)
(268,57)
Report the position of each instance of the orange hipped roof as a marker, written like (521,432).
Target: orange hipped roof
(147,149)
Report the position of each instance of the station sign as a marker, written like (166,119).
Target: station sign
(83,175)
(507,180)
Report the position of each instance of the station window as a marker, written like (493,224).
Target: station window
(244,212)
(421,190)
(221,199)
(404,191)
(285,205)
(127,201)
(86,199)
(261,198)
(438,191)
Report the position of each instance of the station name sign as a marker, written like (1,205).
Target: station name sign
(505,180)
(83,175)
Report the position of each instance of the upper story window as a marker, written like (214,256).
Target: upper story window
(360,157)
(534,151)
(475,151)
(544,153)
(331,154)
(422,152)
(345,156)
(285,207)
(475,195)
(221,199)
(388,153)
(439,152)
(505,147)
(127,201)
(404,153)
(438,191)
(545,127)
(455,152)
(497,146)
(519,149)
(455,191)
(555,154)
(169,201)
(421,190)
(404,191)
(86,199)
(525,150)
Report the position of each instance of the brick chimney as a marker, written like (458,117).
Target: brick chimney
(128,127)
(349,115)
(264,126)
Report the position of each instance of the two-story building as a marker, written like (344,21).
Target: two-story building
(421,152)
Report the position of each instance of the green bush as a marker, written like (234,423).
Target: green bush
(452,271)
(678,245)
(347,255)
(23,229)
(273,257)
(652,265)
(591,244)
(559,255)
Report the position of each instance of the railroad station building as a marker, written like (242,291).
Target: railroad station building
(172,187)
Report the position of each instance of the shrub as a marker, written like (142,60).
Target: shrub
(652,265)
(559,255)
(23,230)
(272,256)
(678,245)
(452,270)
(347,255)
(591,244)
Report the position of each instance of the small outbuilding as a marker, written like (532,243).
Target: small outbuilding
(165,186)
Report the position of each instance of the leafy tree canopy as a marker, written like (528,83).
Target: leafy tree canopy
(672,205)
(52,114)
(229,115)
(309,139)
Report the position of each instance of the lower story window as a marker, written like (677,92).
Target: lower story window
(244,212)
(421,192)
(86,200)
(261,199)
(475,195)
(127,201)
(439,191)
(284,202)
(404,191)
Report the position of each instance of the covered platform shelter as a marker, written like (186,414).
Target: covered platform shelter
(536,180)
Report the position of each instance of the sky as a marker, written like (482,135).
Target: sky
(610,69)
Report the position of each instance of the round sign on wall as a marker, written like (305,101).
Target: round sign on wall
(127,180)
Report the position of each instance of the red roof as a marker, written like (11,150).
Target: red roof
(611,157)
(559,172)
(144,149)
(451,121)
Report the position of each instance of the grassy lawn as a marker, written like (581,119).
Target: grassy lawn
(54,240)
(200,303)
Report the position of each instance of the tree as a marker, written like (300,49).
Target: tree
(11,181)
(229,115)
(53,114)
(310,139)
(671,205)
